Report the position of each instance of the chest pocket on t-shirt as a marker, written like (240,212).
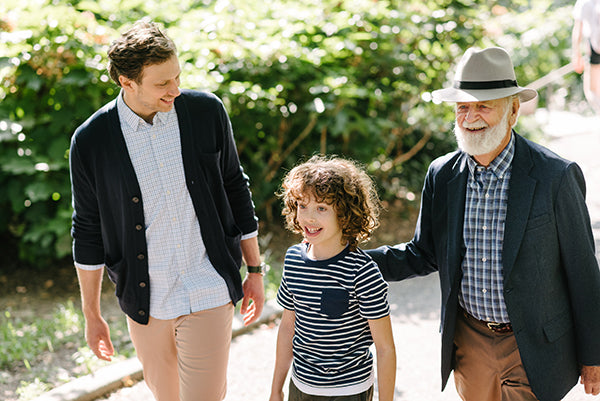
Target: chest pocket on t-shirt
(334,301)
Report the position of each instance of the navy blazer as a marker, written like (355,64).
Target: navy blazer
(551,276)
(108,219)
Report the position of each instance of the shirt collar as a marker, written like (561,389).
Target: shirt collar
(501,164)
(135,122)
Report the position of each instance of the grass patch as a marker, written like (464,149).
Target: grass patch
(23,339)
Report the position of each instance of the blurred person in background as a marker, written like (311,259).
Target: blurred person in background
(586,41)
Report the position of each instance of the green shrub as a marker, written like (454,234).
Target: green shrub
(51,79)
(347,77)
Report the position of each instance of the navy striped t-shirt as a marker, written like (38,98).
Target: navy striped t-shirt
(332,300)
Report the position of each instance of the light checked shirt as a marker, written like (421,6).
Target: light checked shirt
(481,291)
(182,279)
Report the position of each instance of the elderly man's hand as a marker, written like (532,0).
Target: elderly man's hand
(590,378)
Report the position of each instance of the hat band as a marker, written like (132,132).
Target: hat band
(504,83)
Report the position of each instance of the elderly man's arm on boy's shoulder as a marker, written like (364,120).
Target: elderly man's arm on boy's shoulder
(400,261)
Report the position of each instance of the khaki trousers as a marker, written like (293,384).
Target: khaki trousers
(488,365)
(185,358)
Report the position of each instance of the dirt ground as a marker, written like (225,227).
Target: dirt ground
(30,293)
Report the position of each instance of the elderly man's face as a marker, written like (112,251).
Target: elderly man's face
(482,127)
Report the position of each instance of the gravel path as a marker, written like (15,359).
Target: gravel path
(415,303)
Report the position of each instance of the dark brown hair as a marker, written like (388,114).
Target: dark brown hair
(337,182)
(144,44)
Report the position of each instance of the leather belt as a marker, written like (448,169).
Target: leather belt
(499,327)
(493,326)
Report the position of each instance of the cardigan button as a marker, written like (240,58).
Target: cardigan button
(142,312)
(141,256)
(135,199)
(138,227)
(142,284)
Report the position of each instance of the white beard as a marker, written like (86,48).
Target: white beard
(484,141)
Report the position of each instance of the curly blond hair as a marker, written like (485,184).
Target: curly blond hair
(338,182)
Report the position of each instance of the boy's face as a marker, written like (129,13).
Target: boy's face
(156,91)
(320,227)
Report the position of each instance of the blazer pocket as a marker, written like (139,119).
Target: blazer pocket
(334,301)
(538,221)
(558,327)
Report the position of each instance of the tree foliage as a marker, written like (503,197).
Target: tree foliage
(346,77)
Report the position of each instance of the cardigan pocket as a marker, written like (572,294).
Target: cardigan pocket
(117,276)
(234,248)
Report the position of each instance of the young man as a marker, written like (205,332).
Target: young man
(161,200)
(504,222)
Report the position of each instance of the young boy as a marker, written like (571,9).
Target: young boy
(333,295)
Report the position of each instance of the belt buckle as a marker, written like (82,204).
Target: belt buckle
(493,325)
(498,327)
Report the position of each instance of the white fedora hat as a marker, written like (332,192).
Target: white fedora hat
(482,75)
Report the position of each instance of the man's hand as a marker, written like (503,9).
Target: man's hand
(590,378)
(253,290)
(97,335)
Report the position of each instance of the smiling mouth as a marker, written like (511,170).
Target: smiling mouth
(474,129)
(312,230)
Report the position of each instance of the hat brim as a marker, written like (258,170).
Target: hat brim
(482,95)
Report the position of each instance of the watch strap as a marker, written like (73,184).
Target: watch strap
(255,269)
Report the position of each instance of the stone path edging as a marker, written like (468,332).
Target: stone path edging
(128,372)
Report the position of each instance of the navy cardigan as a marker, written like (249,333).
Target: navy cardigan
(108,218)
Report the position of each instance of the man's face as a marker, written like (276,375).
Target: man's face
(482,127)
(156,91)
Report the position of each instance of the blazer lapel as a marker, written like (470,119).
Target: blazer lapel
(520,198)
(456,210)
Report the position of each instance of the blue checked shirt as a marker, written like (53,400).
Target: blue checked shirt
(182,279)
(481,292)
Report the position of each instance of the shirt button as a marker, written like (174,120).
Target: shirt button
(484,259)
(484,290)
(484,228)
(168,192)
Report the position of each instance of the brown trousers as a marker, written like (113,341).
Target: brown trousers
(185,358)
(488,365)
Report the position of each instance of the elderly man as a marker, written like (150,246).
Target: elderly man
(504,222)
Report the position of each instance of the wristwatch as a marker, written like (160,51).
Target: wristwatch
(257,269)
